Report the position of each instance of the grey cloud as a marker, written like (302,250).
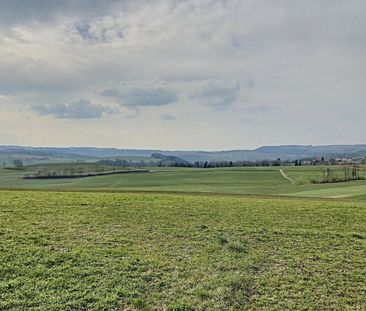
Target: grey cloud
(133,114)
(24,11)
(167,117)
(217,92)
(81,109)
(261,109)
(103,30)
(110,93)
(140,96)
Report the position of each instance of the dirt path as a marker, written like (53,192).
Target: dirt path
(285,176)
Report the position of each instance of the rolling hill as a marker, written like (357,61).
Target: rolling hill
(288,152)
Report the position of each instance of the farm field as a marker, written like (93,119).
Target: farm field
(133,251)
(247,180)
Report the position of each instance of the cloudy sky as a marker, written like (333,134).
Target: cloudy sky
(187,74)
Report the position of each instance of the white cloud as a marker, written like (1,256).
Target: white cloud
(217,92)
(141,93)
(81,109)
(167,117)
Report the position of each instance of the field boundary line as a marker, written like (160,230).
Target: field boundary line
(285,176)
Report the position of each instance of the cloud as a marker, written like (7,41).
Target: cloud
(135,95)
(23,12)
(259,109)
(167,117)
(217,93)
(98,31)
(305,57)
(81,109)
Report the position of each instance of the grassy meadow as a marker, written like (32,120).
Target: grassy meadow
(242,180)
(182,239)
(133,251)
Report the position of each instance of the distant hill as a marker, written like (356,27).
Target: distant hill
(167,160)
(288,152)
(309,151)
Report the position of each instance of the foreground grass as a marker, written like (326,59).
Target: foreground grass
(106,251)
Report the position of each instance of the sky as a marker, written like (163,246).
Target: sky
(182,75)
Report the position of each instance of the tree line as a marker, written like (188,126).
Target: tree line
(348,172)
(169,162)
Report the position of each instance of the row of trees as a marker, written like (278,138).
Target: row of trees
(197,164)
(213,164)
(345,173)
(17,164)
(208,164)
(62,172)
(68,170)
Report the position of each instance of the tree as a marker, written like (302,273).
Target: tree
(347,172)
(355,172)
(328,175)
(18,163)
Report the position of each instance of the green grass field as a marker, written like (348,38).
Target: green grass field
(196,241)
(120,251)
(263,181)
